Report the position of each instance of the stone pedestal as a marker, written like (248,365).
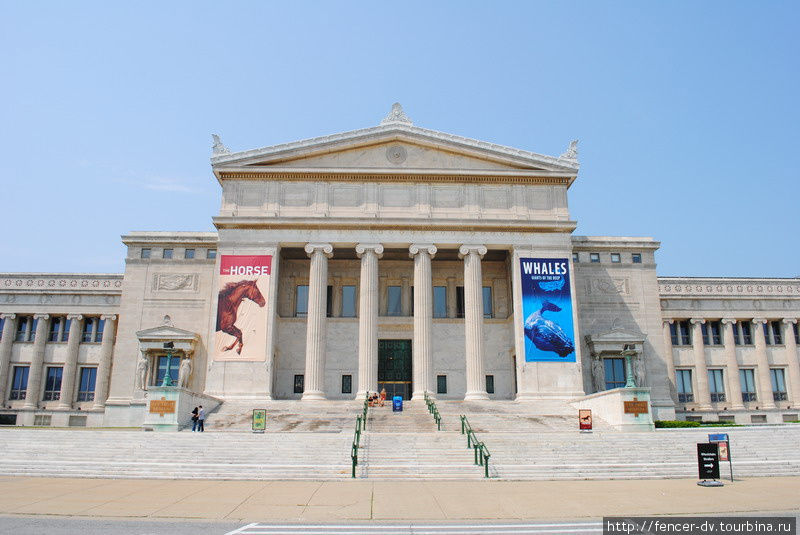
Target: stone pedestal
(609,405)
(169,408)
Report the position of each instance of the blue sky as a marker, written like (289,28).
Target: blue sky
(686,111)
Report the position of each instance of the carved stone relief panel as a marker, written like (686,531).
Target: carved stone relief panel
(396,196)
(540,197)
(447,196)
(346,196)
(495,198)
(175,282)
(297,194)
(252,195)
(607,286)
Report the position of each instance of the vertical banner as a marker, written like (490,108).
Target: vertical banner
(241,307)
(547,310)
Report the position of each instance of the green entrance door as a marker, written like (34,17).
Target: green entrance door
(394,368)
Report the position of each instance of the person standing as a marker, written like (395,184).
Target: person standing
(195,418)
(201,419)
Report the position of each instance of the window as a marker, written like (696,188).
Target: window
(615,258)
(188,253)
(19,385)
(594,258)
(211,253)
(59,329)
(637,258)
(86,384)
(26,328)
(2,326)
(794,328)
(299,384)
(712,333)
(145,252)
(684,385)
(347,384)
(679,331)
(174,365)
(441,384)
(615,373)
(52,384)
(715,385)
(301,301)
(348,301)
(93,330)
(490,384)
(778,384)
(576,257)
(488,311)
(167,254)
(742,333)
(746,379)
(459,301)
(772,333)
(440,301)
(329,301)
(394,306)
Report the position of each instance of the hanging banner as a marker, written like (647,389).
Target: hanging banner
(241,307)
(547,310)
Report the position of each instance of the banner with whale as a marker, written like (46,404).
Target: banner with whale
(547,310)
(241,307)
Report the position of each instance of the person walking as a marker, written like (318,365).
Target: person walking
(195,412)
(201,419)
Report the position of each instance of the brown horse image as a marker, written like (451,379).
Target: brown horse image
(230,297)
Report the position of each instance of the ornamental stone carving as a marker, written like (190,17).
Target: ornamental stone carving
(175,282)
(396,115)
(571,152)
(218,149)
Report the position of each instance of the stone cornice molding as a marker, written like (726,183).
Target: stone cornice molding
(8,315)
(408,175)
(324,248)
(376,248)
(696,321)
(694,287)
(789,321)
(466,249)
(60,283)
(759,321)
(428,248)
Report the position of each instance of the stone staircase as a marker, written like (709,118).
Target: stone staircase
(286,416)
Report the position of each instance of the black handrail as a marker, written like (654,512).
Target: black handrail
(361,425)
(434,411)
(481,452)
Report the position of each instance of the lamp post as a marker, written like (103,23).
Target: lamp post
(168,374)
(629,351)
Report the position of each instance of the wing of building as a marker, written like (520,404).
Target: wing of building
(393,258)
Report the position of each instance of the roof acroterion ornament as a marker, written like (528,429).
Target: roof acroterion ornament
(218,149)
(397,115)
(572,151)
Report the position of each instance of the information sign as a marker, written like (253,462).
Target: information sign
(708,460)
(259,420)
(585,419)
(724,444)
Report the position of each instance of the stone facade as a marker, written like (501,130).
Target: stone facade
(394,234)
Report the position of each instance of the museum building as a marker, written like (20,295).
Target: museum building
(400,258)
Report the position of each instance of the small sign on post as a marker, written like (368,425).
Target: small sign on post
(259,420)
(708,465)
(585,419)
(724,445)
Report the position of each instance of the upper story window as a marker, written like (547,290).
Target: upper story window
(594,257)
(59,329)
(86,384)
(615,258)
(93,330)
(211,253)
(301,301)
(614,372)
(460,302)
(680,333)
(2,326)
(488,308)
(26,328)
(712,333)
(772,333)
(329,301)
(715,386)
(188,253)
(576,257)
(394,303)
(146,251)
(684,386)
(636,258)
(167,254)
(778,384)
(440,301)
(348,301)
(742,333)
(19,383)
(748,383)
(794,328)
(52,384)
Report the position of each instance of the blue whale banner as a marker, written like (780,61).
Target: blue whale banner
(547,310)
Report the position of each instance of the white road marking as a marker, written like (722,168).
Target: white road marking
(417,529)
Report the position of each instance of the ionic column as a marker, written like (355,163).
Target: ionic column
(423,319)
(703,396)
(104,368)
(473,320)
(732,365)
(37,361)
(791,359)
(316,322)
(765,400)
(369,253)
(669,359)
(9,329)
(70,363)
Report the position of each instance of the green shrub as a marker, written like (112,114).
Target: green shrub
(675,423)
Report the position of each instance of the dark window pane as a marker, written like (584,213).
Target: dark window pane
(174,365)
(637,258)
(299,384)
(211,253)
(55,325)
(329,301)
(88,329)
(348,301)
(459,301)
(145,252)
(594,257)
(441,384)
(167,253)
(98,334)
(440,301)
(65,332)
(86,385)
(394,305)
(488,309)
(188,253)
(347,384)
(490,384)
(301,301)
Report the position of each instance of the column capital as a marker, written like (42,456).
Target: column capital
(668,321)
(696,321)
(376,248)
(466,249)
(759,320)
(415,248)
(109,317)
(324,248)
(41,316)
(8,316)
(727,321)
(789,321)
(76,317)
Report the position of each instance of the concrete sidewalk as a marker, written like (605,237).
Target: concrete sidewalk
(388,500)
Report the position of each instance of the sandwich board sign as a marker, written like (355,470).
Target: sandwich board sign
(708,464)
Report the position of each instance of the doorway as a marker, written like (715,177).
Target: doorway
(394,368)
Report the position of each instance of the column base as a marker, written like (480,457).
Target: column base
(476,396)
(418,395)
(313,396)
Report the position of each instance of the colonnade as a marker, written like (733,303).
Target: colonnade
(762,366)
(422,344)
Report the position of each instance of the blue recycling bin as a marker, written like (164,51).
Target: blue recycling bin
(397,404)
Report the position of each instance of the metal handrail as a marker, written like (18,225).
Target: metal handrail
(481,452)
(434,411)
(361,425)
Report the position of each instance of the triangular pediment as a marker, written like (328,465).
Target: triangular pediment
(165,333)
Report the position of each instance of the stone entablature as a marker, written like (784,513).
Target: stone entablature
(676,287)
(69,283)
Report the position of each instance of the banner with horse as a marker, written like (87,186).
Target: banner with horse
(241,307)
